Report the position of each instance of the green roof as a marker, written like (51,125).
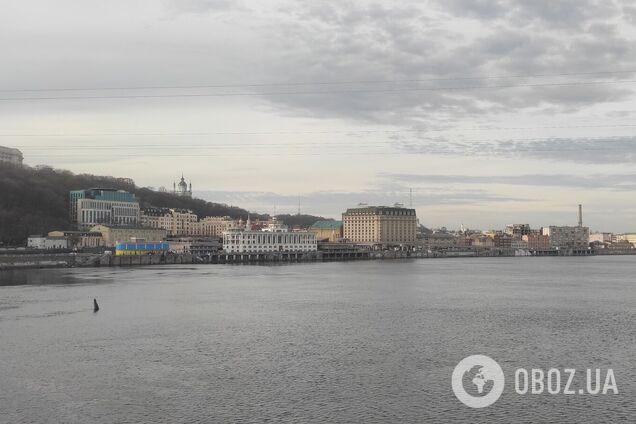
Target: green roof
(327,225)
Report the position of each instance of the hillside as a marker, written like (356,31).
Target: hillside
(35,201)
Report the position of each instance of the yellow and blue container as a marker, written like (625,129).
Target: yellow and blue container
(125,249)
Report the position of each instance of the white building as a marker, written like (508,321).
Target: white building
(44,242)
(9,155)
(274,238)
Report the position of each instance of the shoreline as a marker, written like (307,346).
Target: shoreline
(92,260)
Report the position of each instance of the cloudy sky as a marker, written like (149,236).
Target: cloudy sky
(491,112)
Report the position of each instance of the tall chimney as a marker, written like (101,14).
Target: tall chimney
(580,215)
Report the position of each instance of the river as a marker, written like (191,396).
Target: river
(368,342)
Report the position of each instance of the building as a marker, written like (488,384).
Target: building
(80,239)
(182,189)
(482,240)
(214,226)
(103,206)
(275,238)
(628,237)
(137,248)
(195,246)
(327,230)
(47,242)
(564,237)
(380,225)
(111,235)
(601,237)
(178,222)
(518,244)
(537,241)
(11,156)
(503,241)
(438,240)
(517,230)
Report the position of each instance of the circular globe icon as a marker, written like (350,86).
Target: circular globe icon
(478,381)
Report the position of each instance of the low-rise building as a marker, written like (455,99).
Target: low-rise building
(601,237)
(195,246)
(628,237)
(327,230)
(47,242)
(80,239)
(112,235)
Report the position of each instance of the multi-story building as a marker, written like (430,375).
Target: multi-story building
(564,237)
(380,225)
(438,240)
(537,241)
(518,243)
(12,156)
(503,241)
(178,222)
(517,230)
(482,240)
(214,226)
(275,238)
(103,206)
(327,230)
(112,235)
(601,237)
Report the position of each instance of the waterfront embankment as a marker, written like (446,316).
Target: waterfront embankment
(78,260)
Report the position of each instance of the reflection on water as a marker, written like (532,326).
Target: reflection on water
(337,342)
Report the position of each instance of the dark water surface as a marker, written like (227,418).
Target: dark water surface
(360,342)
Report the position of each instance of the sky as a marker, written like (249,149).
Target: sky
(481,113)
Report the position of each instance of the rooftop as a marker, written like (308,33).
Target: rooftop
(327,225)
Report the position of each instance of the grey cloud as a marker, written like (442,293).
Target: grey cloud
(346,41)
(333,203)
(615,182)
(203,6)
(582,150)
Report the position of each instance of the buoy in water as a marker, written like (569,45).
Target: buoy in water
(95,305)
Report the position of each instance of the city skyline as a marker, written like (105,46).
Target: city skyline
(520,117)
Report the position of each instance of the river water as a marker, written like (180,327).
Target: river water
(366,342)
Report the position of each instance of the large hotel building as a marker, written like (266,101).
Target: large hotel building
(380,225)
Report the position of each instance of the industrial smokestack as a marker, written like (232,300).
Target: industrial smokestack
(580,215)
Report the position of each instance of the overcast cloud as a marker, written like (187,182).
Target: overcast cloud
(523,107)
